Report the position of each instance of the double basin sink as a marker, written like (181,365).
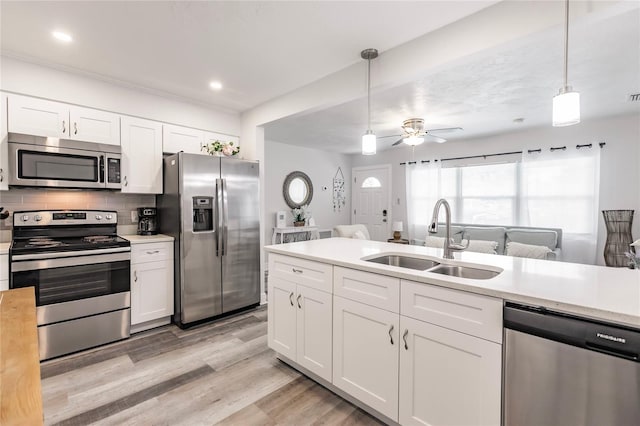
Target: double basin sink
(429,265)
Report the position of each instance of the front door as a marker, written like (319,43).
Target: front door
(371,200)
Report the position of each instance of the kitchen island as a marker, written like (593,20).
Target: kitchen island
(411,346)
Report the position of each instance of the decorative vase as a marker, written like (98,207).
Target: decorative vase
(218,154)
(299,223)
(618,224)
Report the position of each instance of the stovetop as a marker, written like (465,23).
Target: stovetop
(46,244)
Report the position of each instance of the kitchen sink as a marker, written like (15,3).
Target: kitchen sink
(404,262)
(464,272)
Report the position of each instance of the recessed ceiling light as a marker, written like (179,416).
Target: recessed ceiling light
(215,85)
(59,35)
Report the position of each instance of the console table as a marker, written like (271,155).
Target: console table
(312,232)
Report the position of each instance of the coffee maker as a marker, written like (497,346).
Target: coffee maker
(147,221)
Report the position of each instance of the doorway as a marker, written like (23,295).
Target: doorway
(371,200)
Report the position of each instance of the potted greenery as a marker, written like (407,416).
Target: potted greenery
(300,215)
(219,148)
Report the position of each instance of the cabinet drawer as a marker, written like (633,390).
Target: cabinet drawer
(468,313)
(151,252)
(371,289)
(312,274)
(4,267)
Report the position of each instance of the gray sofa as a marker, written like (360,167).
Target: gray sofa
(550,237)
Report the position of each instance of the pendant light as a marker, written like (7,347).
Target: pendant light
(369,138)
(566,104)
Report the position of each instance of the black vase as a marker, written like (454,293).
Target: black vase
(618,223)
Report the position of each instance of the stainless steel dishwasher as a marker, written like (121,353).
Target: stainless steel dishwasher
(563,370)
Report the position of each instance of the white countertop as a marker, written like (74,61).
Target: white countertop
(610,294)
(4,248)
(136,239)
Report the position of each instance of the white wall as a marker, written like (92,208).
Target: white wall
(36,80)
(619,165)
(320,166)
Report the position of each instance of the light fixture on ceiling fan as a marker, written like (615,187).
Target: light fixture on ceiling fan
(369,138)
(414,133)
(566,104)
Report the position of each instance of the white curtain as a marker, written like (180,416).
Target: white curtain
(561,190)
(423,191)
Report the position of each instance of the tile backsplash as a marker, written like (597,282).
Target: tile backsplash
(50,199)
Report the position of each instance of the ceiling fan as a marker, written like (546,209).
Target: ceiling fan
(415,133)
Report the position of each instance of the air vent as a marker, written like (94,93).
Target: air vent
(634,97)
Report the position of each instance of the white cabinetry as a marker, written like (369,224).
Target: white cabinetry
(151,284)
(4,147)
(299,325)
(176,139)
(141,142)
(4,272)
(40,117)
(365,354)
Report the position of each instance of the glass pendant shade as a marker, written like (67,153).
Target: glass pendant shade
(566,108)
(369,143)
(413,140)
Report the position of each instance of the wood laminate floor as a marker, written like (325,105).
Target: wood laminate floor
(218,373)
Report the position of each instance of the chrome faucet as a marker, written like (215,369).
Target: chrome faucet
(449,245)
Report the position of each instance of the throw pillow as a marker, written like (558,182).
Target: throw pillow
(358,235)
(482,246)
(527,250)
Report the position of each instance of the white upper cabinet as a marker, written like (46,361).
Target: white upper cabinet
(176,139)
(39,117)
(91,125)
(141,156)
(4,148)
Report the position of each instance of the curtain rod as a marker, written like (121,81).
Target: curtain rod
(529,151)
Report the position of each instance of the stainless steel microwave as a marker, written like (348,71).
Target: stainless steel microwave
(62,163)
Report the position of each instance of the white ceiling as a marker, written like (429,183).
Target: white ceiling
(486,92)
(258,50)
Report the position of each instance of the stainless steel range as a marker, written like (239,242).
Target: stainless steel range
(80,270)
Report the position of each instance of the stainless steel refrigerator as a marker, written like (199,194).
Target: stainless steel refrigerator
(210,205)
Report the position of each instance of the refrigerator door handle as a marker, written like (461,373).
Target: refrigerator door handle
(217,215)
(225,217)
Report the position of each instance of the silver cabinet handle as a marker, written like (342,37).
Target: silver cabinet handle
(153,252)
(390,335)
(125,181)
(64,126)
(297,271)
(298,300)
(1,175)
(404,337)
(135,276)
(291,298)
(75,128)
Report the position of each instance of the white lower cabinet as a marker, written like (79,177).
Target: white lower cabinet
(4,272)
(447,377)
(151,283)
(365,354)
(300,325)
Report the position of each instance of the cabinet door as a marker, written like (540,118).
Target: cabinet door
(151,291)
(141,156)
(4,272)
(91,125)
(447,377)
(38,117)
(176,139)
(365,354)
(281,327)
(314,331)
(4,145)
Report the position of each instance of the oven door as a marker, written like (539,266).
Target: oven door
(34,165)
(75,286)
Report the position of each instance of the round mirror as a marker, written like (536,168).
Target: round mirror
(297,189)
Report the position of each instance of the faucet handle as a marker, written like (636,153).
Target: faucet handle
(458,247)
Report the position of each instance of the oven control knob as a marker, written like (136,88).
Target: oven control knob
(38,218)
(108,217)
(98,217)
(25,218)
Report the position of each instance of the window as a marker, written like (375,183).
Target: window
(371,182)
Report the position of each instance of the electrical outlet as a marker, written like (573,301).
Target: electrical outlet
(134,216)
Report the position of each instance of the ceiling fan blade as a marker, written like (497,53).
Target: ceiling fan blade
(436,139)
(398,142)
(390,136)
(444,130)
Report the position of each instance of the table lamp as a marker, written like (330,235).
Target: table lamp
(397,229)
